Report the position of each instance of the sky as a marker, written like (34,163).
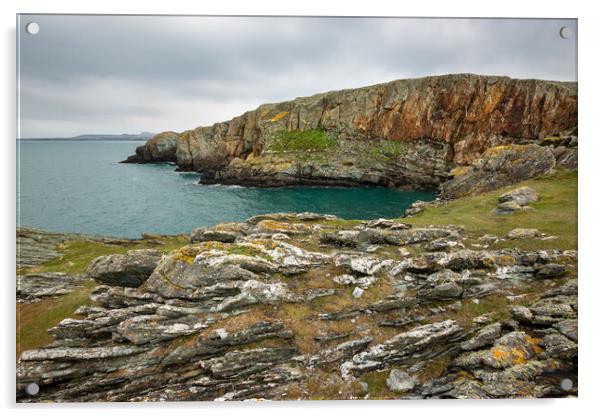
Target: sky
(83,74)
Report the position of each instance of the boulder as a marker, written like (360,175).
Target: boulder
(521,196)
(366,265)
(401,381)
(362,282)
(131,269)
(202,234)
(357,292)
(517,199)
(446,291)
(486,336)
(521,233)
(386,224)
(509,207)
(551,270)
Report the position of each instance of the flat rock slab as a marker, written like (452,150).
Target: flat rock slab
(31,287)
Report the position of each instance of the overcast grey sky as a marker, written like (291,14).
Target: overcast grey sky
(126,74)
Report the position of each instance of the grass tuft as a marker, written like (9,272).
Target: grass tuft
(302,140)
(388,149)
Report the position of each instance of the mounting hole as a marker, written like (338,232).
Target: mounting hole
(565,32)
(566,384)
(32,28)
(32,389)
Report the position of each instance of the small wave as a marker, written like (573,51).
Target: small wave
(233,186)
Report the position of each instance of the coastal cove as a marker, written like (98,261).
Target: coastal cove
(79,186)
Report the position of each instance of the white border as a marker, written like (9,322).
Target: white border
(590,233)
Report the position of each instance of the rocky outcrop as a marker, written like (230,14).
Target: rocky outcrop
(35,247)
(272,314)
(160,148)
(127,270)
(33,287)
(400,133)
(499,167)
(515,200)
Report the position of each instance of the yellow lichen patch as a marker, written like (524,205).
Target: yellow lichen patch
(534,342)
(211,245)
(505,356)
(500,354)
(518,356)
(279,116)
(275,226)
(187,253)
(496,150)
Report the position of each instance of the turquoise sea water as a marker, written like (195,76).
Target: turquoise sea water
(80,187)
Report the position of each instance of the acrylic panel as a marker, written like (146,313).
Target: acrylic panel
(295,208)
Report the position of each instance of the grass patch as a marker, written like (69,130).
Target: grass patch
(554,214)
(496,304)
(34,319)
(434,368)
(77,254)
(341,223)
(388,149)
(377,384)
(302,140)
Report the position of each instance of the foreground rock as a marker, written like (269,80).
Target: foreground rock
(128,270)
(296,308)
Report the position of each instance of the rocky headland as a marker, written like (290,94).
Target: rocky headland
(407,133)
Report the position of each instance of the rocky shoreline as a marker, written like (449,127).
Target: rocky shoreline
(309,306)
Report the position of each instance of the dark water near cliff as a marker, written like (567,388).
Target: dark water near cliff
(81,187)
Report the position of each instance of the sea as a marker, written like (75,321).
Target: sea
(80,186)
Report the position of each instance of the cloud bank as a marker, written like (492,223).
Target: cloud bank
(126,74)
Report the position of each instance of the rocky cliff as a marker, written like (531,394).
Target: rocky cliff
(401,133)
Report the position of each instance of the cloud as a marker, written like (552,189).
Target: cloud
(113,74)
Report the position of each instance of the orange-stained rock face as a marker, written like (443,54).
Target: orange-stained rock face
(468,112)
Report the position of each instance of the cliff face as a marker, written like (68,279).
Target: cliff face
(438,122)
